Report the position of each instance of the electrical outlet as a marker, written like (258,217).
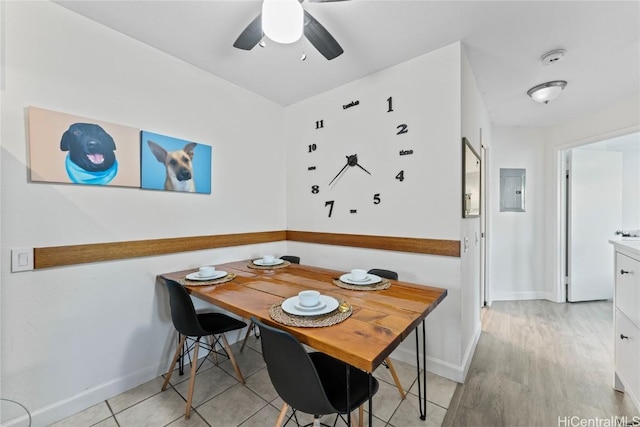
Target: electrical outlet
(21,259)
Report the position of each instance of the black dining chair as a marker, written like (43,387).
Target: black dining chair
(392,275)
(293,260)
(314,383)
(387,274)
(192,327)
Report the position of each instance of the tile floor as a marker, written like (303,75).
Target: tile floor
(219,400)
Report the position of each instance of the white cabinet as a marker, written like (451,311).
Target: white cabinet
(627,318)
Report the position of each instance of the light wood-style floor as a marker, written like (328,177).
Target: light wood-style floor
(539,363)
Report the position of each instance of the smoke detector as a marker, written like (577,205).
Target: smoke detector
(552,57)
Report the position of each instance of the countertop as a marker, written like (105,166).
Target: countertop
(628,247)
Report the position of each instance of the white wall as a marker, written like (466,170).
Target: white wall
(476,127)
(430,88)
(77,335)
(517,262)
(426,94)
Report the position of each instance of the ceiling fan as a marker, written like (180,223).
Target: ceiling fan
(317,35)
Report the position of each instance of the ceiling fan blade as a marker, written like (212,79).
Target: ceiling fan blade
(251,35)
(320,38)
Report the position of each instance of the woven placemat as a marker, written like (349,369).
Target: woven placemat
(336,316)
(186,282)
(383,284)
(268,267)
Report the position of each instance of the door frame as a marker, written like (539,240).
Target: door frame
(558,266)
(485,289)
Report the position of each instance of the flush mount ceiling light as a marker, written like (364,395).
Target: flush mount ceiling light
(545,92)
(282,20)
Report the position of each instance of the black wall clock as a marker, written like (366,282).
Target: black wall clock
(359,156)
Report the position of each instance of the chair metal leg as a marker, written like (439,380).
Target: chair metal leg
(283,413)
(173,363)
(246,337)
(395,377)
(181,359)
(192,380)
(232,359)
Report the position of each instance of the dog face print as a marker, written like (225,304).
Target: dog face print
(91,158)
(178,165)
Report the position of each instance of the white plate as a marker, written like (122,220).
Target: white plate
(327,305)
(195,276)
(261,263)
(370,280)
(319,306)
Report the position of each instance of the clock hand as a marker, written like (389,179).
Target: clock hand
(358,165)
(341,170)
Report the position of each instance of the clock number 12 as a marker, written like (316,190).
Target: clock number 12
(330,204)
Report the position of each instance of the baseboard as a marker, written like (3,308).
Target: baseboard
(72,405)
(440,367)
(518,296)
(470,351)
(553,297)
(92,396)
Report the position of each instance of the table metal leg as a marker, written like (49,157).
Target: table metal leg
(370,399)
(422,388)
(348,375)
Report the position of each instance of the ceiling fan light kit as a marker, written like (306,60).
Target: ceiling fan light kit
(282,20)
(285,21)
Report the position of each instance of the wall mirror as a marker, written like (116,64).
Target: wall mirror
(470,180)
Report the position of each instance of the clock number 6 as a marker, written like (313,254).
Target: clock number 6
(330,204)
(376,199)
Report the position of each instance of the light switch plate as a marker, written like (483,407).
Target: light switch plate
(21,259)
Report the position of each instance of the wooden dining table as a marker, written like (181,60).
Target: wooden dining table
(380,319)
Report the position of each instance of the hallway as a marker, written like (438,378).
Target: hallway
(540,363)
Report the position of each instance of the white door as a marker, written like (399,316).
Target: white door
(595,213)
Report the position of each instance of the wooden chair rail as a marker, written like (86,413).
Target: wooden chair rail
(58,256)
(389,243)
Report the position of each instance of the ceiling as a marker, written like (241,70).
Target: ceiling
(504,41)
